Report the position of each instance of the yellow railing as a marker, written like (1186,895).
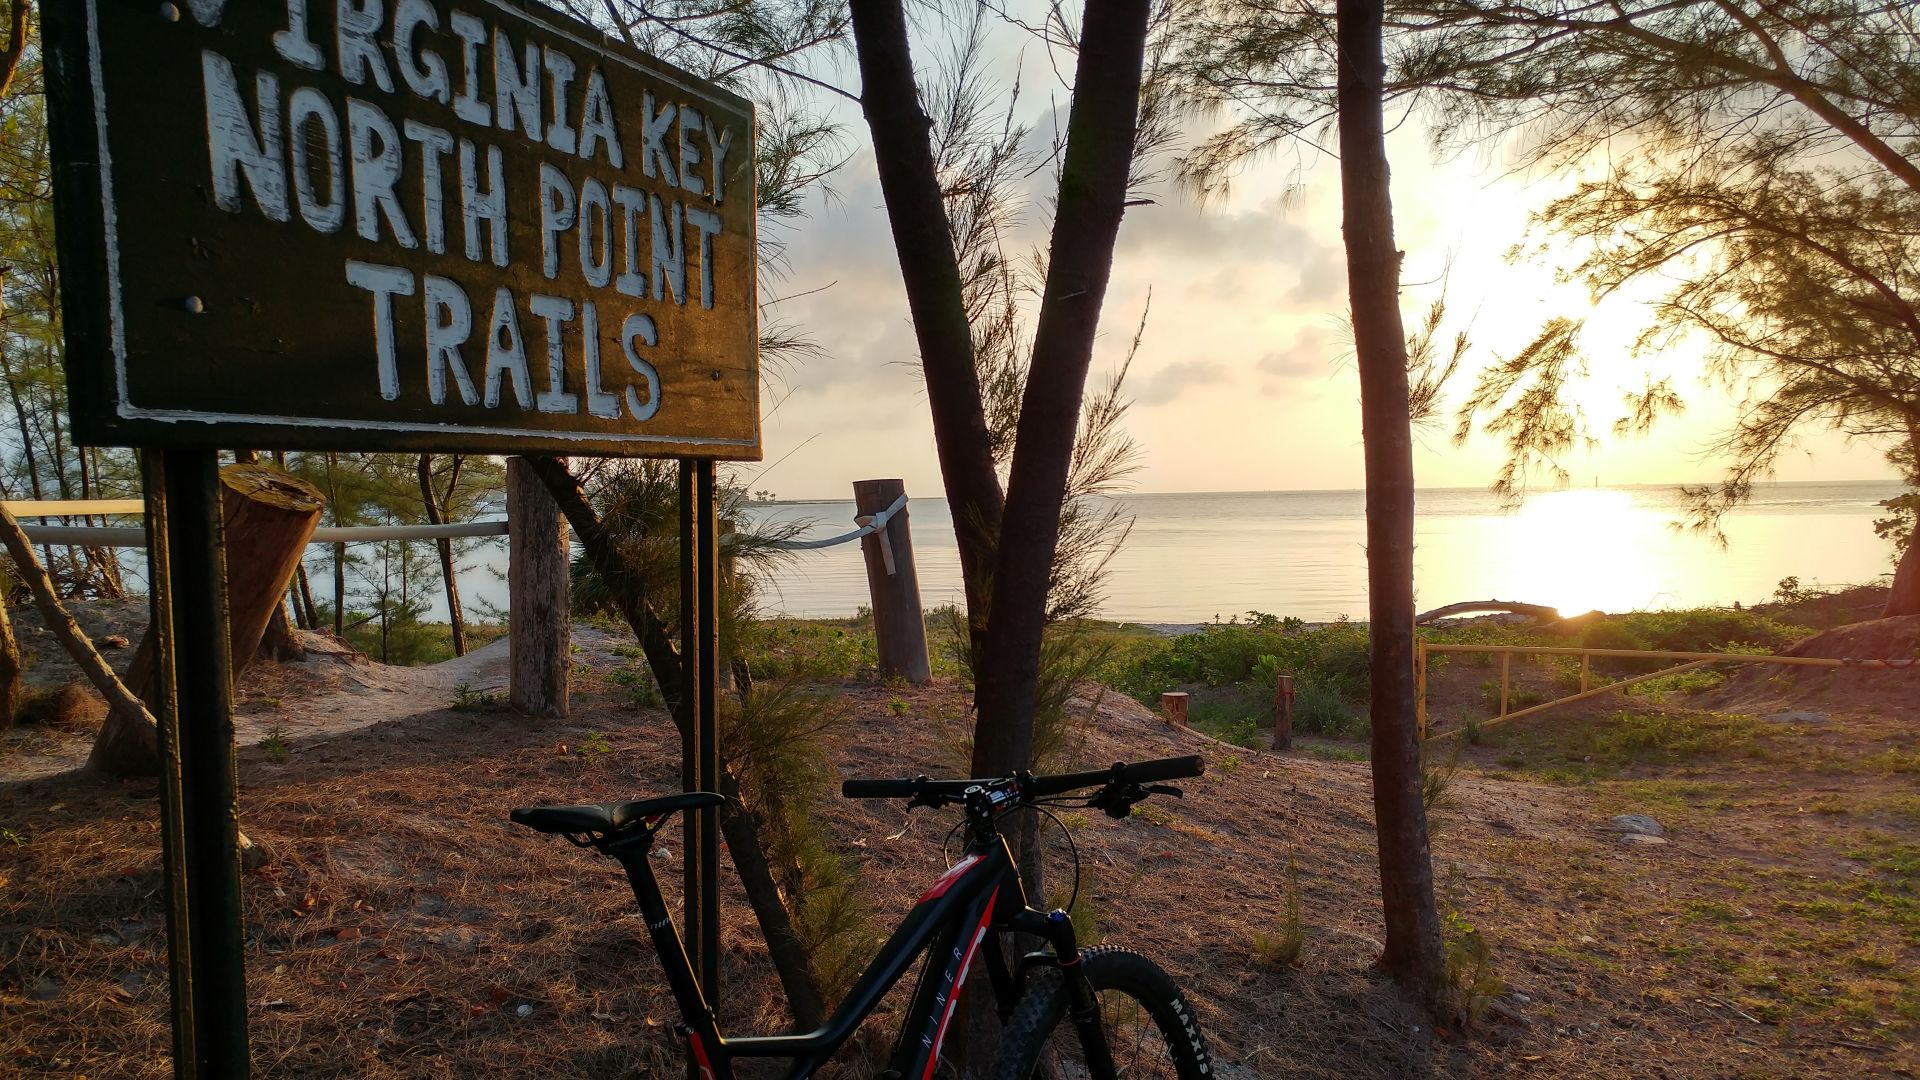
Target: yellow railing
(1587,690)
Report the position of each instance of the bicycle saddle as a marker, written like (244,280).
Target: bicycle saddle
(609,817)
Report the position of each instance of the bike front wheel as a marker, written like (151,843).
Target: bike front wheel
(1150,1028)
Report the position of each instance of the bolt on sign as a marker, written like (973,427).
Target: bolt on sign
(383,224)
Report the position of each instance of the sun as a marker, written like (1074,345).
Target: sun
(1582,550)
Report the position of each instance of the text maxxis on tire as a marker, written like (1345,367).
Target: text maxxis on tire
(1133,990)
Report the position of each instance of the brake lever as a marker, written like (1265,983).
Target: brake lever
(1165,789)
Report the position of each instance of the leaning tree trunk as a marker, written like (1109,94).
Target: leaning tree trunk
(268,517)
(1414,956)
(137,738)
(627,583)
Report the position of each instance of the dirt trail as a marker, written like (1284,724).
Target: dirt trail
(331,693)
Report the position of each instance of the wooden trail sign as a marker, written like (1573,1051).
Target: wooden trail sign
(458,225)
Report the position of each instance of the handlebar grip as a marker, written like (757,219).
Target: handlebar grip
(1173,768)
(1142,772)
(880,789)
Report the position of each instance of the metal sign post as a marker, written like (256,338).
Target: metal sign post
(479,227)
(199,788)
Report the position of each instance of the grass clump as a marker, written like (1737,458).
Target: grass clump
(638,688)
(809,649)
(1470,974)
(468,699)
(1282,948)
(1582,750)
(274,746)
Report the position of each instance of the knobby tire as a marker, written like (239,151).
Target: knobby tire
(1151,1028)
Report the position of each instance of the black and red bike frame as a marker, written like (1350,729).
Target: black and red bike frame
(958,923)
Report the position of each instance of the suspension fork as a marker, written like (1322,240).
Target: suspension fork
(1083,1005)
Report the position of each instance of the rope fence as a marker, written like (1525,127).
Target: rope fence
(128,536)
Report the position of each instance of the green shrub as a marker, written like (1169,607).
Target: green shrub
(1320,711)
(807,650)
(1608,634)
(1708,629)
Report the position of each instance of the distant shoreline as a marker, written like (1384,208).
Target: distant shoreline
(1889,482)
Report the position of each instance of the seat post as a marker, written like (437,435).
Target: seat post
(666,939)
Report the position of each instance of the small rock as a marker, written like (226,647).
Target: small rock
(524,1010)
(44,989)
(458,939)
(253,853)
(1642,840)
(1798,716)
(115,641)
(1636,824)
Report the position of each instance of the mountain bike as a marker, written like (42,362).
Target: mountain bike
(1066,1012)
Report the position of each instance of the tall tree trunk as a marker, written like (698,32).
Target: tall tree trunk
(448,572)
(917,215)
(10,668)
(305,591)
(340,591)
(1414,956)
(1904,597)
(1007,584)
(1092,199)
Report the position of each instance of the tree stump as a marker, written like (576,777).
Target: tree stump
(1173,707)
(267,518)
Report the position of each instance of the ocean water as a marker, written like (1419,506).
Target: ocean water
(1193,557)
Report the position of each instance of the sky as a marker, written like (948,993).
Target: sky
(1245,379)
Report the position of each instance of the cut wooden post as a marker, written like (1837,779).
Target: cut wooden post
(899,627)
(267,517)
(1586,671)
(538,597)
(1173,706)
(1283,713)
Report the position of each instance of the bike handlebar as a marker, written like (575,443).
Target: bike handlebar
(1142,772)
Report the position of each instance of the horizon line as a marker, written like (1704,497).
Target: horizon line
(1485,489)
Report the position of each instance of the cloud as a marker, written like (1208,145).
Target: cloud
(1312,355)
(1177,378)
(1291,364)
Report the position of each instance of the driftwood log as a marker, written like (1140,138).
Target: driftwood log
(267,518)
(1538,611)
(61,623)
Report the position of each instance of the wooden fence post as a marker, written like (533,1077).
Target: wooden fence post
(1283,713)
(538,597)
(899,627)
(1173,706)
